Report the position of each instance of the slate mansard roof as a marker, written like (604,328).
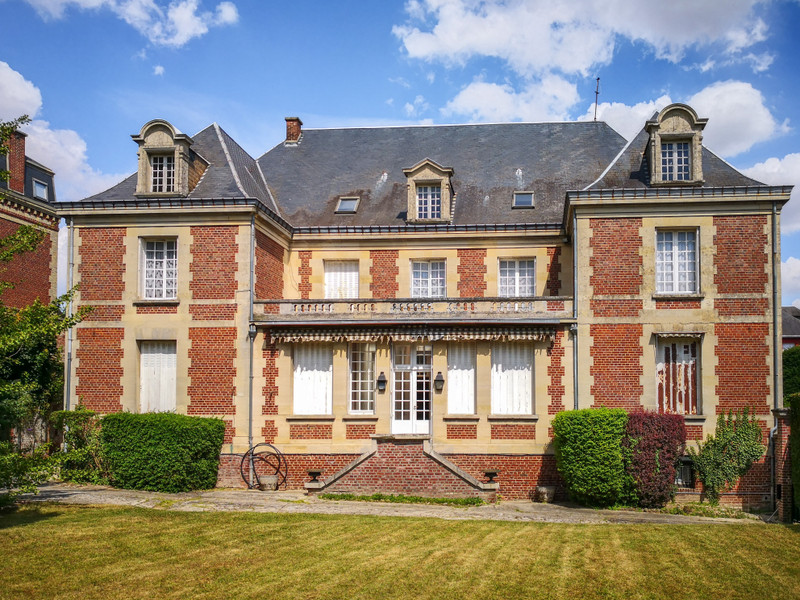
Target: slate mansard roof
(302,181)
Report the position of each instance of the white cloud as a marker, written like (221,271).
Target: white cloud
(418,106)
(737,117)
(175,25)
(62,150)
(18,96)
(548,99)
(158,70)
(782,171)
(573,36)
(790,279)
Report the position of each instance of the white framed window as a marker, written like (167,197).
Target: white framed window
(157,376)
(428,278)
(313,379)
(341,279)
(412,388)
(676,375)
(512,379)
(461,378)
(40,190)
(159,269)
(162,173)
(675,161)
(522,200)
(362,378)
(429,201)
(517,278)
(347,205)
(676,262)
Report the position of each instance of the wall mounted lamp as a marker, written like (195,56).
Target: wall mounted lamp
(381,382)
(438,382)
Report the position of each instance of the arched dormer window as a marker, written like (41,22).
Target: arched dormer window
(166,161)
(676,146)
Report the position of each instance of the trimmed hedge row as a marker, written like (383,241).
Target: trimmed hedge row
(793,402)
(161,452)
(607,456)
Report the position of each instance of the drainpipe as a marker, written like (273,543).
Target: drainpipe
(777,349)
(70,265)
(574,327)
(251,335)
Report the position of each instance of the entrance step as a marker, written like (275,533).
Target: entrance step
(407,465)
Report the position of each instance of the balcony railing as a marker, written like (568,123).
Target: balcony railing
(415,309)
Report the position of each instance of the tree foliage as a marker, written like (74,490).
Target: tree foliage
(791,371)
(726,456)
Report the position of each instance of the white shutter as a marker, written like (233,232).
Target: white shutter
(313,379)
(461,379)
(341,279)
(512,379)
(157,376)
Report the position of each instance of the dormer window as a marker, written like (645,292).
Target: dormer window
(429,202)
(163,173)
(167,164)
(676,146)
(40,190)
(675,161)
(430,194)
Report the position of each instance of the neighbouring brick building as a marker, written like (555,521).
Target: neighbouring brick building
(27,199)
(407,308)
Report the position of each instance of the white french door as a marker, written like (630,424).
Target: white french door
(411,411)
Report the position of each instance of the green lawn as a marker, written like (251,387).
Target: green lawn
(53,551)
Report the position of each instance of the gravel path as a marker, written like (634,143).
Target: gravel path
(296,502)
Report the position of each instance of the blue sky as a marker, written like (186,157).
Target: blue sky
(92,72)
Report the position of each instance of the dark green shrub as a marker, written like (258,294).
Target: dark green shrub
(588,445)
(81,462)
(161,452)
(791,371)
(653,443)
(726,456)
(20,472)
(793,403)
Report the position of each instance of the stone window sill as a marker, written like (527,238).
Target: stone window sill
(461,418)
(678,297)
(311,418)
(367,418)
(157,302)
(514,418)
(694,418)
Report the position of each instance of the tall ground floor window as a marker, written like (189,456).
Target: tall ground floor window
(512,379)
(461,378)
(412,391)
(676,376)
(313,379)
(362,378)
(157,376)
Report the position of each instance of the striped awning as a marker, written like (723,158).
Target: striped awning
(420,333)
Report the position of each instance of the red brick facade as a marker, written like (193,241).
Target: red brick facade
(212,312)
(15,159)
(743,370)
(462,431)
(212,371)
(99,370)
(518,475)
(471,273)
(513,431)
(742,254)
(29,272)
(105,312)
(310,431)
(555,370)
(101,263)
(213,262)
(616,260)
(304,273)
(554,271)
(616,365)
(384,271)
(268,268)
(359,431)
(157,309)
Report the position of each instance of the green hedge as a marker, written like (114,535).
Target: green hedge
(589,454)
(793,403)
(161,452)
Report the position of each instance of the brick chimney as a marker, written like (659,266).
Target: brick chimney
(294,127)
(16,162)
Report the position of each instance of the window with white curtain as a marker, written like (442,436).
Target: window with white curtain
(676,262)
(341,279)
(157,376)
(313,379)
(517,278)
(158,265)
(362,378)
(428,279)
(512,379)
(461,378)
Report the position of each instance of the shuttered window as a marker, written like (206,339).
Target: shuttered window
(512,379)
(461,379)
(157,376)
(313,379)
(341,279)
(676,376)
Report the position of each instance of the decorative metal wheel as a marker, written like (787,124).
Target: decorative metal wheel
(264,467)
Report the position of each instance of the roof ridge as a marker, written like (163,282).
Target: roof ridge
(612,163)
(232,167)
(269,192)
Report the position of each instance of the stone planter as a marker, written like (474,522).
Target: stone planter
(544,493)
(269,483)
